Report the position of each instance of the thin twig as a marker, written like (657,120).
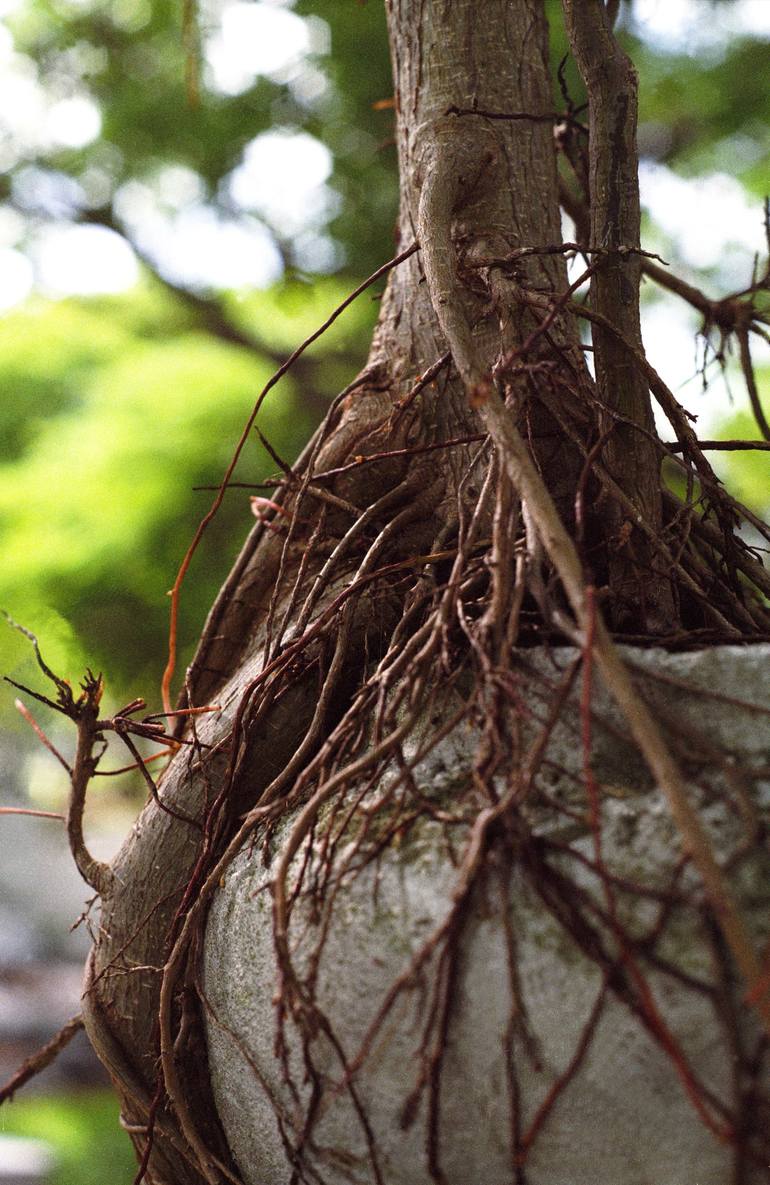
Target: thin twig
(28,810)
(507,116)
(415,451)
(150,783)
(40,1060)
(95,873)
(50,746)
(747,367)
(63,687)
(727,446)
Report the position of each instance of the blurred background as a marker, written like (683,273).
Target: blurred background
(161,252)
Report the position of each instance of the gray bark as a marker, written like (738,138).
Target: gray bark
(615,218)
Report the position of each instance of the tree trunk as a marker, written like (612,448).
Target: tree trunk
(406,558)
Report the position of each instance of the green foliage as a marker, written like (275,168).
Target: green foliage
(108,429)
(83,1132)
(746,473)
(361,138)
(128,56)
(710,114)
(114,408)
(289,312)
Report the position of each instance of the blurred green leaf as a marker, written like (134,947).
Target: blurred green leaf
(111,430)
(747,474)
(83,1132)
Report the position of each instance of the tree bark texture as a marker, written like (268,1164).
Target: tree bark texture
(404,540)
(631,453)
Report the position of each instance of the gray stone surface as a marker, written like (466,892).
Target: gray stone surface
(625,1118)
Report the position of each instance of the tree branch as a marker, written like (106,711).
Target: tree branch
(615,219)
(41,1059)
(94,872)
(747,367)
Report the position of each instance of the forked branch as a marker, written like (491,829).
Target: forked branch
(615,217)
